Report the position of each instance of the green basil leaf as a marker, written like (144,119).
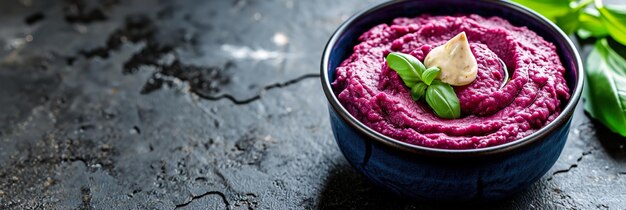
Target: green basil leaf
(605,90)
(430,74)
(591,25)
(417,64)
(569,22)
(399,63)
(548,8)
(614,19)
(583,34)
(418,91)
(443,100)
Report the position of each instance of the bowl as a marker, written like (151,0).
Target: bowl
(445,175)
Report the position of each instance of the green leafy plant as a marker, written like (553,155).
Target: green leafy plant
(607,72)
(614,19)
(605,69)
(439,95)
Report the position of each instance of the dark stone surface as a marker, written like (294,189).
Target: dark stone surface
(207,105)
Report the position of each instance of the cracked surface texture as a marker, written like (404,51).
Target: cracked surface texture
(207,105)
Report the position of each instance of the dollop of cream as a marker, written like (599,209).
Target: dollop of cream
(456,61)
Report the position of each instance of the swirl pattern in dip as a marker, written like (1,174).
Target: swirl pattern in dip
(495,109)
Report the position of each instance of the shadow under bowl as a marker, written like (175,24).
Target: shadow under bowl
(444,175)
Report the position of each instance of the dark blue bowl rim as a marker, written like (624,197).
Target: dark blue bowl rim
(561,120)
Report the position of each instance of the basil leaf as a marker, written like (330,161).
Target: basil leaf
(583,34)
(591,25)
(442,99)
(605,91)
(614,19)
(399,63)
(569,22)
(430,74)
(418,91)
(548,8)
(417,64)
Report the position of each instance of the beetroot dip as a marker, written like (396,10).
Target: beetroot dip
(494,109)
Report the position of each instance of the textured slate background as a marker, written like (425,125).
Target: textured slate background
(207,104)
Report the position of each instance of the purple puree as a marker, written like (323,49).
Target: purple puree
(491,115)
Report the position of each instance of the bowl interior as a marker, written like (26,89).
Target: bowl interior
(340,46)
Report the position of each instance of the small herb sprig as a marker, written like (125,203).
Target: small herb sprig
(421,80)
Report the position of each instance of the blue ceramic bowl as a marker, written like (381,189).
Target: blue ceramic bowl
(474,175)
